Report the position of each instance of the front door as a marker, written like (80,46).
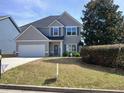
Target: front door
(56,50)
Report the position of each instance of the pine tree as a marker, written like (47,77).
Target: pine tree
(102,23)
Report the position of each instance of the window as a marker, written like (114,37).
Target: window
(71,47)
(71,30)
(74,30)
(55,31)
(68,31)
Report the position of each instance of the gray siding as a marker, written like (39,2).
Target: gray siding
(71,39)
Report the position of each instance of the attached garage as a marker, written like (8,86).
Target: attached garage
(32,43)
(31,50)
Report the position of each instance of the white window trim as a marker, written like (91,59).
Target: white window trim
(53,30)
(71,30)
(71,47)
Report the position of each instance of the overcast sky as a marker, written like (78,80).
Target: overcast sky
(26,11)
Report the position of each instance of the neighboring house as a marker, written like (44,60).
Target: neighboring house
(8,33)
(50,36)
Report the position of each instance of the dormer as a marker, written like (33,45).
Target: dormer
(56,29)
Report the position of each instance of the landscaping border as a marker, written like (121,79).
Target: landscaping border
(56,89)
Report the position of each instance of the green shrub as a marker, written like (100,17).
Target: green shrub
(77,54)
(74,54)
(65,54)
(105,55)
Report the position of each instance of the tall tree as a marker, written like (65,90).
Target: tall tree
(102,23)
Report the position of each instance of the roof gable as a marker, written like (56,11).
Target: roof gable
(31,33)
(56,23)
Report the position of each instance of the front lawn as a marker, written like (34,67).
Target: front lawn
(72,73)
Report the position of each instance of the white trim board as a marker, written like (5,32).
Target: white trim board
(32,40)
(39,40)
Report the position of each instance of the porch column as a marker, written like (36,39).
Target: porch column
(61,48)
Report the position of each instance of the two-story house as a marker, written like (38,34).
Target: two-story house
(50,36)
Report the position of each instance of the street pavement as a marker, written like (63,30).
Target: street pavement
(21,91)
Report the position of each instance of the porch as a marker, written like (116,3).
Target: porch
(56,48)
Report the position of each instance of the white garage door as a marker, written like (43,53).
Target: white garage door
(31,50)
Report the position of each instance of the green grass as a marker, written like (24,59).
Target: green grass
(72,73)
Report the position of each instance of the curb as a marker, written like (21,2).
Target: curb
(56,89)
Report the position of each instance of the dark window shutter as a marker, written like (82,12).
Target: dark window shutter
(51,31)
(64,31)
(77,47)
(78,31)
(64,48)
(59,31)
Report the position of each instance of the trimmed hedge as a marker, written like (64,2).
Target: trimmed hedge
(105,55)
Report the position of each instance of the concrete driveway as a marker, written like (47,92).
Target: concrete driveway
(9,63)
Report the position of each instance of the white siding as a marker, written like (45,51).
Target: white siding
(8,33)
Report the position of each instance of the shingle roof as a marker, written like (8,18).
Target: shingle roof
(68,20)
(2,17)
(64,18)
(41,23)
